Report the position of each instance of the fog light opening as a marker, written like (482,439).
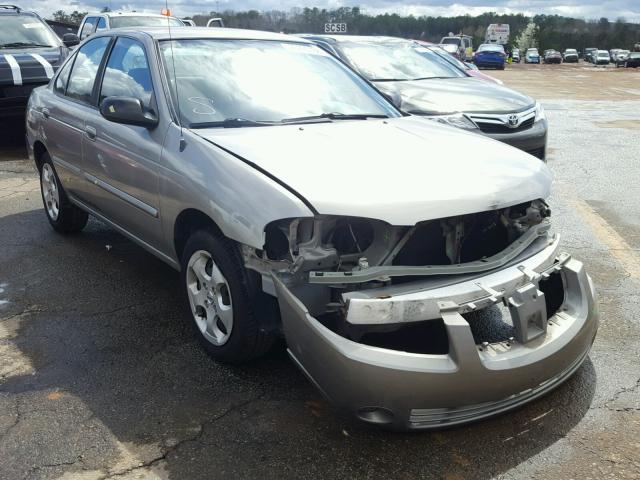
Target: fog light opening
(377,415)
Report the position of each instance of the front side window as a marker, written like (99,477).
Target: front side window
(88,27)
(263,81)
(23,30)
(102,24)
(85,69)
(127,72)
(61,80)
(397,60)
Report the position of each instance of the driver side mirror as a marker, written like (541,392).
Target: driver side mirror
(127,110)
(70,39)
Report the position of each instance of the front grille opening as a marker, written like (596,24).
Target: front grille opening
(497,128)
(427,337)
(492,324)
(485,235)
(553,289)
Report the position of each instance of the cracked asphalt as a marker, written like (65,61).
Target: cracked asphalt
(100,376)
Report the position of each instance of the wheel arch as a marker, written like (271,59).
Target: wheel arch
(187,222)
(39,149)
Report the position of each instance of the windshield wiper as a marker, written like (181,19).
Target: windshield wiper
(232,123)
(23,44)
(334,116)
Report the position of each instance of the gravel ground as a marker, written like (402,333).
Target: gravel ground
(100,377)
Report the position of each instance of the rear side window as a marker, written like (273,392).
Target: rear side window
(61,81)
(85,68)
(127,73)
(88,27)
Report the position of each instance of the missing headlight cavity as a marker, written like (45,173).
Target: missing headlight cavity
(351,235)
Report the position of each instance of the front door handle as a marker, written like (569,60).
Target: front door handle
(45,113)
(90,132)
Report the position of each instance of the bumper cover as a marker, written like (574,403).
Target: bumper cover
(405,391)
(532,140)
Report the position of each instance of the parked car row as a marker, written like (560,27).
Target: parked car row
(344,192)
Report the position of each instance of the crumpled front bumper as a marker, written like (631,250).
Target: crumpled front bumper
(404,390)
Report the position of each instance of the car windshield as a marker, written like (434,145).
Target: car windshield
(532,51)
(570,50)
(235,83)
(634,55)
(603,54)
(144,21)
(451,40)
(397,61)
(448,58)
(18,31)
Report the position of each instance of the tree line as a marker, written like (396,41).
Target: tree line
(551,31)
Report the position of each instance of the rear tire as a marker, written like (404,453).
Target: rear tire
(63,216)
(222,298)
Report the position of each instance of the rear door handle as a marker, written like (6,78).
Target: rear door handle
(45,113)
(90,132)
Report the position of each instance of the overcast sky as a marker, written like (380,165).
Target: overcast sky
(612,9)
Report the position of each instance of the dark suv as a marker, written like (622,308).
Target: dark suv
(30,53)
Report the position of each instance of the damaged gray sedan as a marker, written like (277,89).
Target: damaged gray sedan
(295,199)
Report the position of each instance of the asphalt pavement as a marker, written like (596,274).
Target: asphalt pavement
(101,377)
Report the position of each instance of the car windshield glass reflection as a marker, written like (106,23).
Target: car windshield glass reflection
(242,83)
(25,31)
(397,61)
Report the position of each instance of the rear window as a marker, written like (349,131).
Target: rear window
(491,48)
(144,21)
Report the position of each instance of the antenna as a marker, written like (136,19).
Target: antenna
(167,12)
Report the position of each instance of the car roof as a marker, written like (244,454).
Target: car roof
(180,33)
(125,13)
(353,38)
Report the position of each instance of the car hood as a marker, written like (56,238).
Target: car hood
(401,170)
(483,76)
(34,65)
(456,95)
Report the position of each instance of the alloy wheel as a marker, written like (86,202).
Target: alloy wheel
(209,298)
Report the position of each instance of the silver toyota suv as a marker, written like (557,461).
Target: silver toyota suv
(295,199)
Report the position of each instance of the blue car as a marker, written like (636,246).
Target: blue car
(490,55)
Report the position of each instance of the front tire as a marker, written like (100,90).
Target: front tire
(63,216)
(222,299)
